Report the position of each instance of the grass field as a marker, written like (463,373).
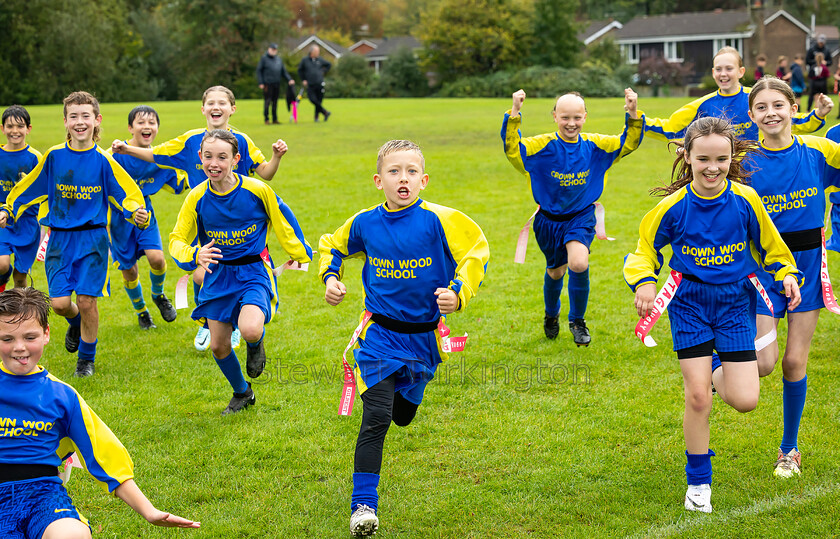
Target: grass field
(517,437)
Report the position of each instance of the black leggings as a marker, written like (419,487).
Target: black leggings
(381,406)
(315,93)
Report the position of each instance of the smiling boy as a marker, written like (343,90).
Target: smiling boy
(567,171)
(78,180)
(46,420)
(399,348)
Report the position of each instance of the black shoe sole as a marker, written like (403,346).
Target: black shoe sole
(71,344)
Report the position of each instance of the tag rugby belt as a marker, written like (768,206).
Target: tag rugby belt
(21,472)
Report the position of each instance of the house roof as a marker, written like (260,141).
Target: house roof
(596,29)
(788,16)
(830,32)
(370,42)
(296,44)
(389,46)
(686,26)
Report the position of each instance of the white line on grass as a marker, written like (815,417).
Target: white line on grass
(723,517)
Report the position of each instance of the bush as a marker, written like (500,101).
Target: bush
(353,78)
(542,82)
(402,77)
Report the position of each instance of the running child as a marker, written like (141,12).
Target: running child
(729,102)
(223,228)
(17,159)
(567,170)
(33,500)
(77,180)
(128,243)
(399,347)
(708,209)
(218,104)
(791,174)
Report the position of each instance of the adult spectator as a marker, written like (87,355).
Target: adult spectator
(270,74)
(819,46)
(819,78)
(312,70)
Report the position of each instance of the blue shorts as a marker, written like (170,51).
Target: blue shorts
(833,241)
(22,240)
(128,243)
(77,261)
(413,356)
(725,313)
(28,507)
(808,262)
(228,288)
(552,236)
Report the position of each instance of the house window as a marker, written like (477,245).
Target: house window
(631,52)
(674,51)
(735,42)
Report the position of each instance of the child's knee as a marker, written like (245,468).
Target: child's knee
(745,403)
(376,418)
(86,303)
(699,400)
(67,528)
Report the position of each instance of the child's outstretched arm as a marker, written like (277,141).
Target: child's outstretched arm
(131,494)
(267,170)
(824,105)
(335,291)
(518,100)
(631,100)
(119,146)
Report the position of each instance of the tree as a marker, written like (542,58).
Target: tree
(555,33)
(471,37)
(402,76)
(353,17)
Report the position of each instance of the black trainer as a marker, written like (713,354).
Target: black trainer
(255,362)
(167,311)
(240,401)
(551,327)
(72,338)
(145,320)
(327,115)
(84,368)
(580,332)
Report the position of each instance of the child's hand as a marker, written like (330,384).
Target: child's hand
(279,148)
(792,292)
(518,99)
(141,216)
(335,291)
(3,217)
(447,299)
(824,105)
(631,99)
(207,255)
(118,146)
(168,520)
(645,295)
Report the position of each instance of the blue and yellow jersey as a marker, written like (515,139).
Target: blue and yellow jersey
(237,220)
(43,420)
(719,240)
(182,153)
(77,186)
(792,181)
(14,166)
(409,253)
(732,107)
(566,177)
(833,135)
(151,178)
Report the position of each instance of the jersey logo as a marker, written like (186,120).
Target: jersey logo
(61,510)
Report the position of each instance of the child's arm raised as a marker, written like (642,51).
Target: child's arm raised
(145,154)
(631,100)
(518,100)
(131,494)
(267,170)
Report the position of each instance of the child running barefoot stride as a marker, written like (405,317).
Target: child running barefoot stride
(33,501)
(792,174)
(223,228)
(399,347)
(708,210)
(567,171)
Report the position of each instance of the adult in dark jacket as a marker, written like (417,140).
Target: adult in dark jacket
(819,46)
(312,70)
(270,74)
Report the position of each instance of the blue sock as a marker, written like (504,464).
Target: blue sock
(715,361)
(793,402)
(364,490)
(256,344)
(698,468)
(135,293)
(87,350)
(157,282)
(4,278)
(76,321)
(233,372)
(578,294)
(551,294)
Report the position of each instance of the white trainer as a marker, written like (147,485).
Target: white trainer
(363,521)
(788,465)
(202,339)
(235,339)
(699,498)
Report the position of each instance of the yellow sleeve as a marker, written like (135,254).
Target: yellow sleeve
(469,248)
(806,122)
(31,190)
(282,220)
(186,231)
(674,126)
(517,148)
(334,248)
(643,265)
(125,195)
